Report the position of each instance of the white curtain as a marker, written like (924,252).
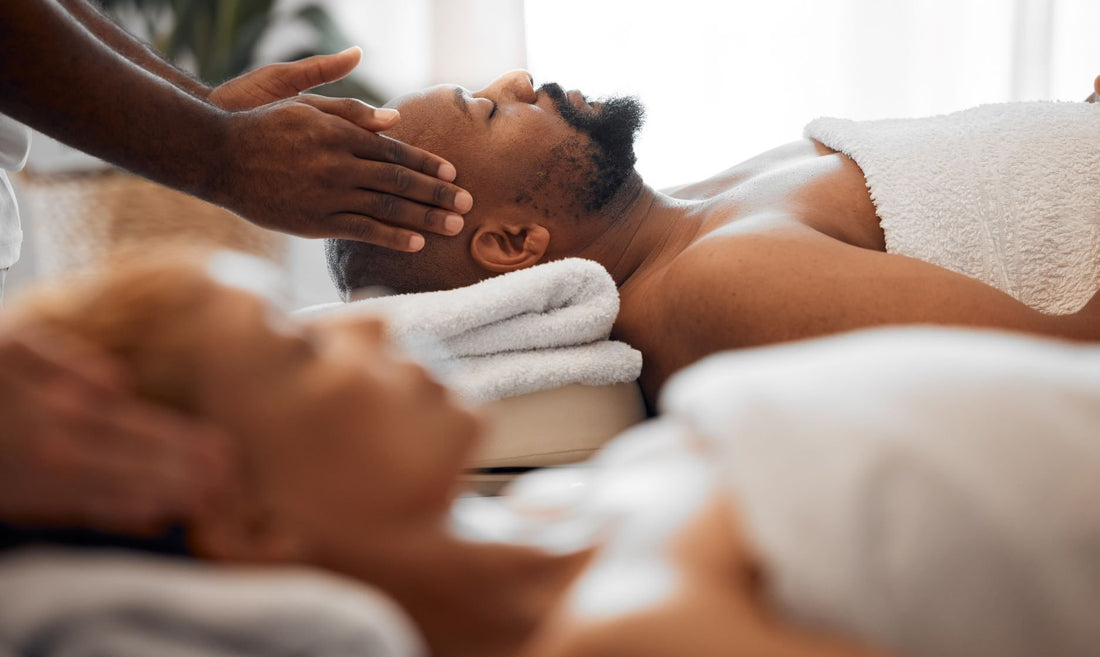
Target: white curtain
(726,80)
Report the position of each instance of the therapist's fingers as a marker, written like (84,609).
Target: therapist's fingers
(117,491)
(165,446)
(80,447)
(339,169)
(380,147)
(363,228)
(362,114)
(384,149)
(384,218)
(413,194)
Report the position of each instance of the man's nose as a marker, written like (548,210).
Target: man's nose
(513,85)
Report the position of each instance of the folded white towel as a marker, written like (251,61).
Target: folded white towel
(496,376)
(529,330)
(1008,194)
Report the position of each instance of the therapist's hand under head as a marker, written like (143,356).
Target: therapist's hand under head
(344,180)
(76,449)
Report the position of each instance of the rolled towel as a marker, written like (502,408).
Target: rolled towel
(525,331)
(1008,194)
(509,374)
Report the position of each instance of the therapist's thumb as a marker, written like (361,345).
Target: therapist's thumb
(314,71)
(274,82)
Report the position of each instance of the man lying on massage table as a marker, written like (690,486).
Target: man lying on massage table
(783,246)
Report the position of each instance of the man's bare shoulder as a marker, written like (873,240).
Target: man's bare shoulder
(720,182)
(723,292)
(740,288)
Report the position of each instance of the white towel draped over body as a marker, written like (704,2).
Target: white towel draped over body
(931,491)
(1008,194)
(525,331)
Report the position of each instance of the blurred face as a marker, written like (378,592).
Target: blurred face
(513,144)
(337,426)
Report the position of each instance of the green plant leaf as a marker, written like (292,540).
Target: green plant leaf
(179,40)
(251,8)
(137,5)
(242,55)
(223,36)
(330,37)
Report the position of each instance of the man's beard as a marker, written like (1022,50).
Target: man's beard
(611,126)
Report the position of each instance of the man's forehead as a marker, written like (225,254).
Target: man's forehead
(423,109)
(429,97)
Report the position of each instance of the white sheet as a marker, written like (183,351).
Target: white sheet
(931,490)
(86,604)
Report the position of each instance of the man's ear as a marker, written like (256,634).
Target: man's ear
(501,247)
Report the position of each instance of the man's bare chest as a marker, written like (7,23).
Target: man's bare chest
(827,193)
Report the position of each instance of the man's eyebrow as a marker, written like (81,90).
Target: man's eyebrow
(460,102)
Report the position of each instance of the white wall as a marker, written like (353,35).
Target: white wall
(725,80)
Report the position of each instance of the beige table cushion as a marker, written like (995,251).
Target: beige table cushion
(557,426)
(550,428)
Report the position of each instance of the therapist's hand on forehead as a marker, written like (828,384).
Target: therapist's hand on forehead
(348,181)
(78,449)
(302,164)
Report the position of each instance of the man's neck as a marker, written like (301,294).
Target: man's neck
(651,230)
(468,599)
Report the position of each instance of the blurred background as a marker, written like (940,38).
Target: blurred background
(722,80)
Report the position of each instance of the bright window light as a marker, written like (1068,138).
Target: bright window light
(723,81)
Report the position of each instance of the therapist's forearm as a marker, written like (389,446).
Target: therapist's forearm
(85,94)
(131,47)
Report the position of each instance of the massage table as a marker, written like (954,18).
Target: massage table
(552,427)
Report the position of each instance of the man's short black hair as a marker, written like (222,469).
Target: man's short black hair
(358,265)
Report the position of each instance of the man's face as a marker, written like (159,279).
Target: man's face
(546,149)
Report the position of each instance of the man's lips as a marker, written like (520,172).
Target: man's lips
(576,98)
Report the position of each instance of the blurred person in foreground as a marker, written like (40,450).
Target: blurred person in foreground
(73,442)
(812,499)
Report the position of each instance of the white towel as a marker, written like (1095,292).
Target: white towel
(929,490)
(496,376)
(78,603)
(1008,194)
(529,330)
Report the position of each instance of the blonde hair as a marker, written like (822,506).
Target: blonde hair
(139,309)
